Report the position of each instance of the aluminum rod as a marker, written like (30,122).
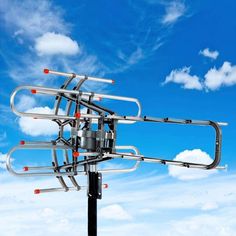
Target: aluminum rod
(159,160)
(50,190)
(47,71)
(125,170)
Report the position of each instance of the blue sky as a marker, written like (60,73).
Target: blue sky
(176,57)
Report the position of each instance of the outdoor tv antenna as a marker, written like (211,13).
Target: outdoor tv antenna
(92,139)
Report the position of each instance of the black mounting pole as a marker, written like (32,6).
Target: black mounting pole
(94,193)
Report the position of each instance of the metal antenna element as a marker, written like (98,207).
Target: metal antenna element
(92,140)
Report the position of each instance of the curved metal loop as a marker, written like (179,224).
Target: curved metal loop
(158,160)
(70,93)
(42,146)
(54,169)
(218,145)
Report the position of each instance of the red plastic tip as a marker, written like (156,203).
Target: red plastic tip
(26,168)
(37,191)
(113,81)
(22,142)
(105,186)
(34,91)
(75,154)
(77,115)
(46,71)
(99,99)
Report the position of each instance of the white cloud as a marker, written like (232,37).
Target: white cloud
(174,11)
(143,191)
(182,76)
(3,139)
(51,43)
(36,127)
(207,53)
(220,224)
(48,212)
(6,115)
(44,17)
(209,206)
(130,59)
(136,56)
(214,79)
(38,213)
(25,102)
(224,76)
(194,156)
(3,160)
(29,213)
(114,212)
(32,18)
(29,68)
(182,202)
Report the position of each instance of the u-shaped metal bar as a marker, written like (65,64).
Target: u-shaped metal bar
(56,92)
(50,146)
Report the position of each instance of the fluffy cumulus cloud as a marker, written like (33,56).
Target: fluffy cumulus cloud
(214,79)
(224,76)
(51,44)
(183,77)
(114,212)
(203,207)
(36,127)
(174,10)
(194,156)
(208,53)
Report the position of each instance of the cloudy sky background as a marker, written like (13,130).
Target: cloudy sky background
(177,58)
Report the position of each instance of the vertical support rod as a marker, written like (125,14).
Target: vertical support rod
(94,193)
(92,216)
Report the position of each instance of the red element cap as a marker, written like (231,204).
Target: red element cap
(75,154)
(34,91)
(26,168)
(37,191)
(46,71)
(77,115)
(105,185)
(22,142)
(113,81)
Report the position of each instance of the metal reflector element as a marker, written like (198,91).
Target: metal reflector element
(47,71)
